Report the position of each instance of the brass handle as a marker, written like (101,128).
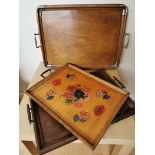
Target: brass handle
(29,114)
(35,39)
(128,40)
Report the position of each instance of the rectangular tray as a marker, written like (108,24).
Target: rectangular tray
(49,133)
(45,126)
(84,110)
(88,35)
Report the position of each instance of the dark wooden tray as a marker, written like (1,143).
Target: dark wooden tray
(51,135)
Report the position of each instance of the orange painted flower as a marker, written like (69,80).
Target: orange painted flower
(78,104)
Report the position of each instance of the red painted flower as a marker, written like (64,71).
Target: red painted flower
(56,82)
(84,115)
(68,95)
(98,110)
(86,90)
(72,88)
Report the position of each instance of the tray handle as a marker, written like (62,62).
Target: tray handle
(35,39)
(127,40)
(29,114)
(119,82)
(42,74)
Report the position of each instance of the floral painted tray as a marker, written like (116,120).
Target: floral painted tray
(81,102)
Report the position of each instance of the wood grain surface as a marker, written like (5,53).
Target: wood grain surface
(64,113)
(89,36)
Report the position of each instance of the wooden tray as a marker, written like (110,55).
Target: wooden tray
(49,133)
(87,35)
(79,101)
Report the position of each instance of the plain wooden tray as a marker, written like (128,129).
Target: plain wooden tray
(65,113)
(49,133)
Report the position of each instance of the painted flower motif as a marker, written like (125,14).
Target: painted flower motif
(78,104)
(68,95)
(99,92)
(102,93)
(56,82)
(82,118)
(86,90)
(50,97)
(75,118)
(98,110)
(75,93)
(70,77)
(106,97)
(50,94)
(72,88)
(79,94)
(84,115)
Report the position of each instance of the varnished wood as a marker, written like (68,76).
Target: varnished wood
(89,36)
(49,133)
(123,136)
(38,91)
(31,147)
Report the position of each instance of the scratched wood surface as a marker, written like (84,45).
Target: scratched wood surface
(81,102)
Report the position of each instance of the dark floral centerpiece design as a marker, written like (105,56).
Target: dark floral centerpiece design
(99,110)
(103,94)
(50,94)
(75,93)
(82,117)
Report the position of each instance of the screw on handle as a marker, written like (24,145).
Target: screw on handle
(42,74)
(119,82)
(35,39)
(29,114)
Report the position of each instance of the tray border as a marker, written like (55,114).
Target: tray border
(65,124)
(79,7)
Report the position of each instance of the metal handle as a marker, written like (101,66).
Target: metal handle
(42,74)
(36,44)
(29,114)
(128,39)
(119,82)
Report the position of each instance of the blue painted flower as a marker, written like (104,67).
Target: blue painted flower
(75,118)
(106,97)
(50,97)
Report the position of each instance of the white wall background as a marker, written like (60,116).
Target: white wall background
(30,57)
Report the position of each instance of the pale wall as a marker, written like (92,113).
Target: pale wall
(30,56)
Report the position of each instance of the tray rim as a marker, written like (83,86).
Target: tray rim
(36,126)
(65,124)
(83,6)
